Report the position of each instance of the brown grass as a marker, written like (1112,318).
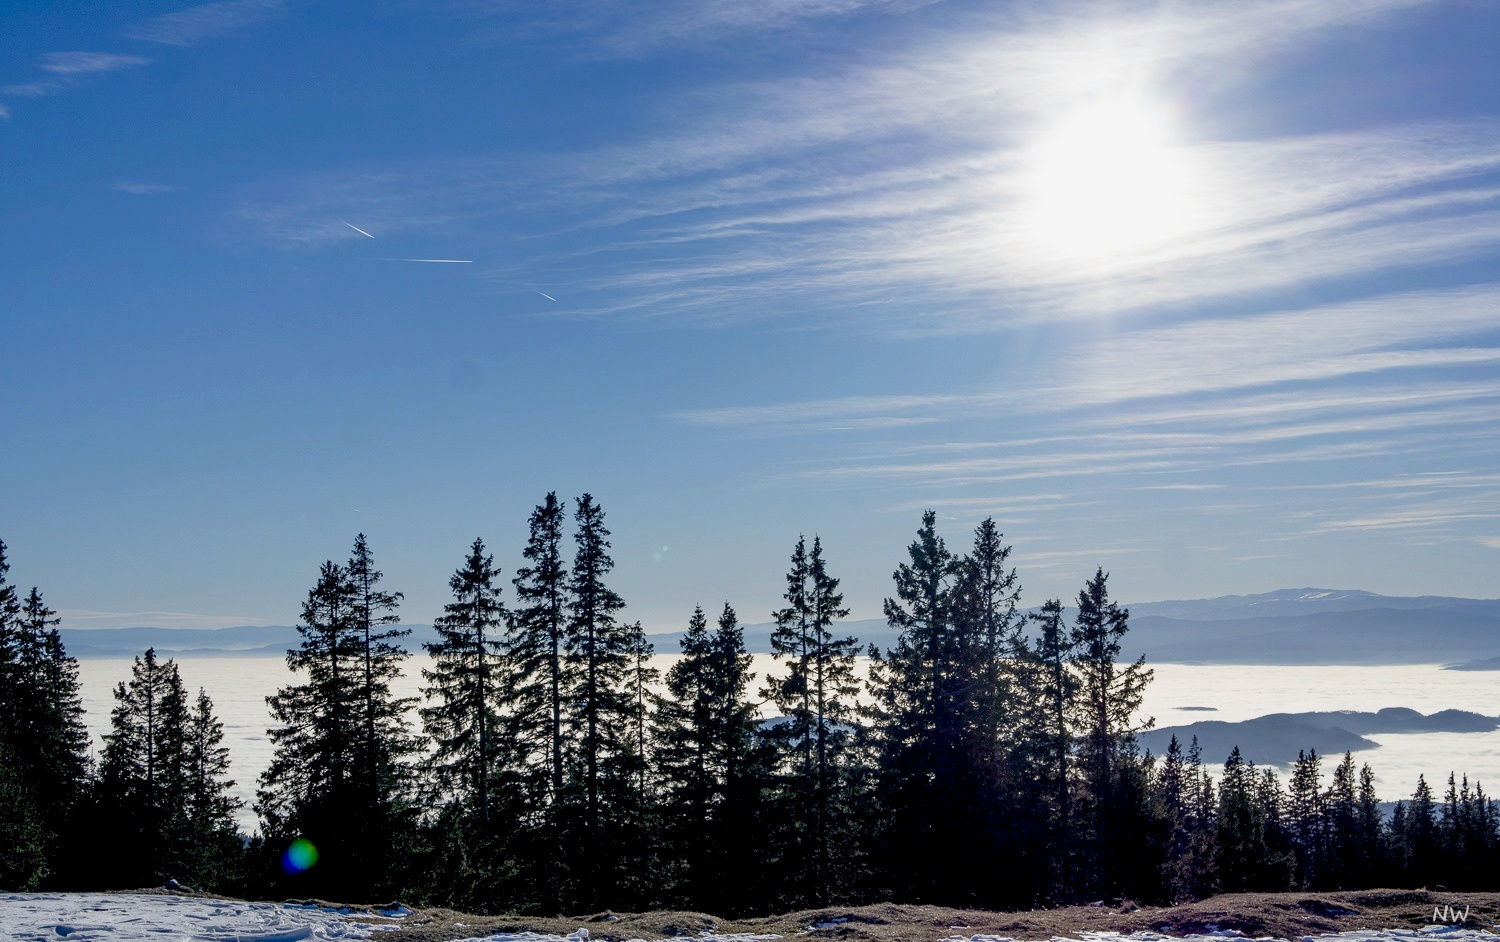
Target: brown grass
(1281,915)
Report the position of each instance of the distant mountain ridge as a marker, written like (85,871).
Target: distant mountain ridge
(1288,626)
(1315,626)
(1307,601)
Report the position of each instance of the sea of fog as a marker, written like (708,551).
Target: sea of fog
(239,687)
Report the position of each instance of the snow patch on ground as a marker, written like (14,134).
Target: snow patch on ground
(111,917)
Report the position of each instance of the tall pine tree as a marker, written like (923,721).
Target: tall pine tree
(817,698)
(214,855)
(922,720)
(1110,694)
(383,738)
(1054,722)
(316,787)
(464,686)
(704,733)
(478,761)
(598,710)
(44,763)
(143,773)
(542,676)
(537,645)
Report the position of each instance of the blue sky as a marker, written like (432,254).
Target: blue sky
(1205,293)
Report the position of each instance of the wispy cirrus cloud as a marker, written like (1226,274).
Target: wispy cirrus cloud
(65,70)
(900,194)
(88,63)
(1386,335)
(192,25)
(145,189)
(1419,515)
(619,27)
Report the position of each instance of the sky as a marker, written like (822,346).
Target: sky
(1203,293)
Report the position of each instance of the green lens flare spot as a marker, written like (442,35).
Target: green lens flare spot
(300,856)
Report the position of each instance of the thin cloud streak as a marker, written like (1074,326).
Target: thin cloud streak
(611,28)
(87,63)
(1321,344)
(68,70)
(192,25)
(145,189)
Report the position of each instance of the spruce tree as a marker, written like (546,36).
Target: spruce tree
(1341,828)
(383,738)
(1305,819)
(1240,834)
(992,651)
(10,646)
(464,686)
(1373,848)
(537,643)
(704,735)
(43,744)
(1110,695)
(685,762)
(745,766)
(817,698)
(1055,723)
(308,791)
(1177,785)
(144,773)
(638,821)
(479,763)
(214,857)
(542,676)
(923,716)
(1420,838)
(51,740)
(164,784)
(1468,827)
(26,862)
(1197,870)
(597,707)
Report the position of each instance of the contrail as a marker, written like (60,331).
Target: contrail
(545,295)
(440,261)
(357,229)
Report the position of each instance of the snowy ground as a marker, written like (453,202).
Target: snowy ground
(109,917)
(100,917)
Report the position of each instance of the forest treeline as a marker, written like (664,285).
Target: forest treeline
(988,759)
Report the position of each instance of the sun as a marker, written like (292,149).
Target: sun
(1107,182)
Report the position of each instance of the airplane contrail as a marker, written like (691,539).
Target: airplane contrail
(357,229)
(440,261)
(545,295)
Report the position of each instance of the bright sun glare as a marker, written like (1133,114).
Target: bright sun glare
(1106,182)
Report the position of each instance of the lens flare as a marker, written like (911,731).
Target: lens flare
(300,856)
